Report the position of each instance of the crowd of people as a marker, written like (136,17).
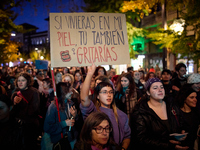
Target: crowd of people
(89,108)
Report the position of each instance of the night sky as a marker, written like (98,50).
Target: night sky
(44,7)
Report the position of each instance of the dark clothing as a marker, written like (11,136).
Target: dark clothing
(139,89)
(27,112)
(10,135)
(179,83)
(148,131)
(168,89)
(192,120)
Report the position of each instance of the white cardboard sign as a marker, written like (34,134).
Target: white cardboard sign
(78,39)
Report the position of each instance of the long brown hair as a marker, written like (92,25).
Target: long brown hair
(131,86)
(97,101)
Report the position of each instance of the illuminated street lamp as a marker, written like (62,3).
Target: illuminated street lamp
(177,26)
(38,51)
(41,57)
(20,59)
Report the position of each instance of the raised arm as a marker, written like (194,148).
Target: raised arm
(86,86)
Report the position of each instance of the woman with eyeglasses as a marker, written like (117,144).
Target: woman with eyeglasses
(96,134)
(104,102)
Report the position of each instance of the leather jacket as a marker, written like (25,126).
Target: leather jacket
(148,131)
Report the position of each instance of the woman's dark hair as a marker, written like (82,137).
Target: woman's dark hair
(85,141)
(102,78)
(148,74)
(48,81)
(131,86)
(78,71)
(97,69)
(27,76)
(182,95)
(97,102)
(142,72)
(62,89)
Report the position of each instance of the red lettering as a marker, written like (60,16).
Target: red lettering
(114,53)
(79,55)
(85,53)
(59,37)
(64,41)
(96,55)
(100,51)
(108,54)
(70,40)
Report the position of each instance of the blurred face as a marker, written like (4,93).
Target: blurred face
(124,82)
(67,79)
(141,75)
(68,96)
(136,75)
(182,71)
(156,91)
(77,76)
(151,76)
(58,77)
(191,100)
(196,86)
(4,111)
(45,85)
(99,140)
(22,82)
(166,76)
(97,82)
(100,71)
(106,96)
(40,76)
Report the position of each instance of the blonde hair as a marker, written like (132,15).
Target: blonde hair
(69,75)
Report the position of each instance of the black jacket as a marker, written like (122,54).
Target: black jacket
(149,132)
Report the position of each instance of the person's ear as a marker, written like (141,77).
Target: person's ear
(97,96)
(148,93)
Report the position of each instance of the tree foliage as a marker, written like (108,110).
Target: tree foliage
(8,48)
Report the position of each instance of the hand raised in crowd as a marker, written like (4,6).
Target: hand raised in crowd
(70,122)
(91,69)
(73,111)
(17,100)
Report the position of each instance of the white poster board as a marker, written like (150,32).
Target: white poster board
(78,39)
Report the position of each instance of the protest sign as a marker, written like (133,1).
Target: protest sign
(78,39)
(41,64)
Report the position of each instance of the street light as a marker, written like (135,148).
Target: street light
(38,51)
(177,26)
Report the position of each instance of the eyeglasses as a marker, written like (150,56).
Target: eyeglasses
(106,92)
(99,130)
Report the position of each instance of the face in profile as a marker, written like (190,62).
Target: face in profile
(100,134)
(22,82)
